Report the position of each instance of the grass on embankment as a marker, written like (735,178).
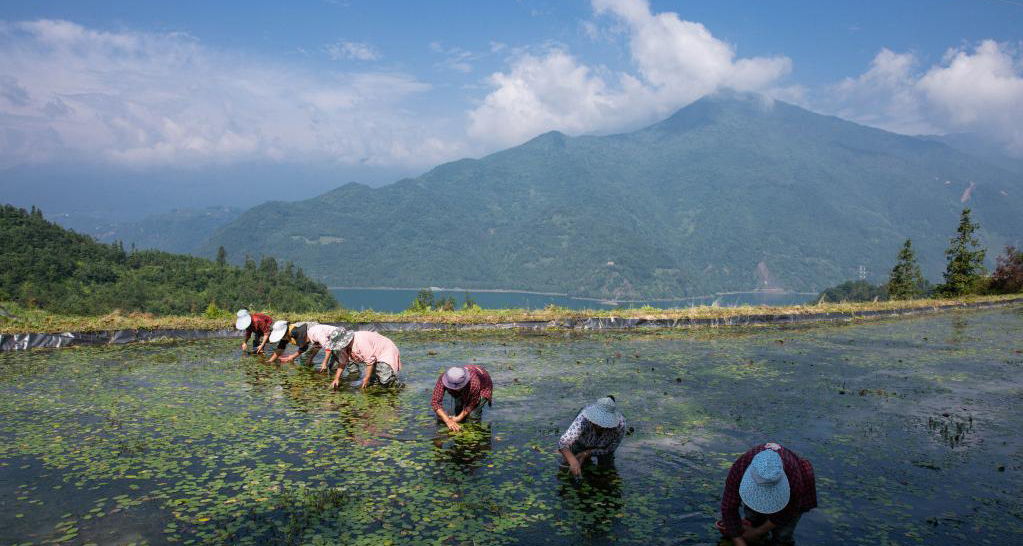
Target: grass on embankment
(17,320)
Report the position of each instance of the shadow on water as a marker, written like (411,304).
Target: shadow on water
(188,441)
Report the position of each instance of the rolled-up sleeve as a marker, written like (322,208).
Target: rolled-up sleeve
(437,401)
(573,433)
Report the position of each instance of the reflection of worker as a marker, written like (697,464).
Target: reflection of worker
(596,432)
(774,486)
(254,323)
(383,361)
(284,332)
(469,387)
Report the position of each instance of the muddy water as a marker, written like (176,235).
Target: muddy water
(913,426)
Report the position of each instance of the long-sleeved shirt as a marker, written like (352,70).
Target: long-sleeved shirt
(371,347)
(802,489)
(261,325)
(480,388)
(601,441)
(320,334)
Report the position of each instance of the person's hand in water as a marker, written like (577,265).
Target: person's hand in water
(453,426)
(244,349)
(575,468)
(334,384)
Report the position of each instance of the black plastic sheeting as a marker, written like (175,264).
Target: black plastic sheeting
(13,342)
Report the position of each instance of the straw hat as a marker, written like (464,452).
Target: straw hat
(764,486)
(455,378)
(603,413)
(244,319)
(279,329)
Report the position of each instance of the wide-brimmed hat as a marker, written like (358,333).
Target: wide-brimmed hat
(764,486)
(455,378)
(603,413)
(278,330)
(244,319)
(340,338)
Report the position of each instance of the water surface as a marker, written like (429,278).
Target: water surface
(397,300)
(913,427)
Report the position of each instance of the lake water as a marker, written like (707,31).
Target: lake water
(913,427)
(393,301)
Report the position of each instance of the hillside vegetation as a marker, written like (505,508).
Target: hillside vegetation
(730,193)
(46,266)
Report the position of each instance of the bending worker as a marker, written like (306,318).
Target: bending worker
(469,386)
(596,432)
(284,332)
(255,323)
(380,354)
(775,487)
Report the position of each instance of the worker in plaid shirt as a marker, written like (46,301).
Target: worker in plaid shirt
(775,487)
(469,386)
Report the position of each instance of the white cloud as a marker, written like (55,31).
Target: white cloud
(676,62)
(455,58)
(358,51)
(133,98)
(979,90)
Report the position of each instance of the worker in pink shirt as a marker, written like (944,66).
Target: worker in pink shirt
(380,354)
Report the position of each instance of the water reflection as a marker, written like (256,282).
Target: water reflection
(593,502)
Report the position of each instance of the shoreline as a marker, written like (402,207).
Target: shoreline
(52,331)
(580,298)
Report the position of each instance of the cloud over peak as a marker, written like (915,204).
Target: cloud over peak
(675,61)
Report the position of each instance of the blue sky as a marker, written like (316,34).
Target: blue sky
(376,90)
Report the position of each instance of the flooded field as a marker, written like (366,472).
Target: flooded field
(914,428)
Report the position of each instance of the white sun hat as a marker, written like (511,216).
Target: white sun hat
(244,319)
(278,330)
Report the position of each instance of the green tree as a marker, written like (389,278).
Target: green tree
(424,301)
(906,282)
(221,256)
(965,268)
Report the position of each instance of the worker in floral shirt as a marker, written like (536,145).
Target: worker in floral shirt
(596,432)
(254,323)
(469,387)
(775,487)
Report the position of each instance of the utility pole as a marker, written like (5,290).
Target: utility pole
(863,272)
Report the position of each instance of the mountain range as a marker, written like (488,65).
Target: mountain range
(733,192)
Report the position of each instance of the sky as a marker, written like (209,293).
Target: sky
(204,95)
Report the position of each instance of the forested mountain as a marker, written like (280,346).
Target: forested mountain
(180,230)
(730,193)
(47,266)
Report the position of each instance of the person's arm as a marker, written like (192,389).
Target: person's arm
(279,350)
(437,403)
(371,366)
(337,378)
(731,501)
(326,361)
(262,343)
(292,357)
(246,342)
(565,445)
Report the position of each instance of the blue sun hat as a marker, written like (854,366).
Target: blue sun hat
(244,319)
(764,486)
(603,413)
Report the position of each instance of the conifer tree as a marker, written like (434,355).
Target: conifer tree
(965,259)
(906,282)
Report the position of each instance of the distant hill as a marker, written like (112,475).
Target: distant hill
(47,266)
(988,149)
(180,230)
(730,193)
